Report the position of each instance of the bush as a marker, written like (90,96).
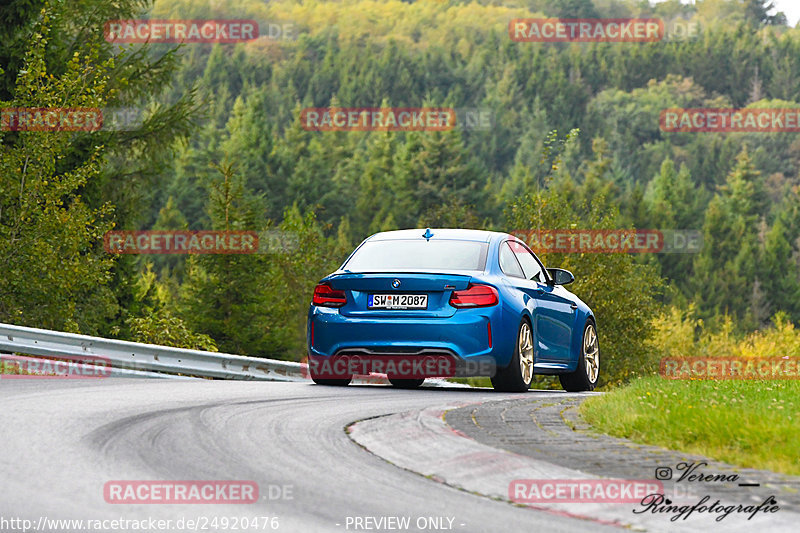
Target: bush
(621,292)
(165,329)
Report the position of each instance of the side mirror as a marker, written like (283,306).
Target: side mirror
(560,276)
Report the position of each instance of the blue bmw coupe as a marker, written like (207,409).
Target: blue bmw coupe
(466,302)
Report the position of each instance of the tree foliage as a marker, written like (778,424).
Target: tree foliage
(221,146)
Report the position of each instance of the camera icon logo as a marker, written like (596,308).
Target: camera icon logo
(663,473)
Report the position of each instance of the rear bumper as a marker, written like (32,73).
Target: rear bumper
(464,336)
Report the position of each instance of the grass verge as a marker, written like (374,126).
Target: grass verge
(752,424)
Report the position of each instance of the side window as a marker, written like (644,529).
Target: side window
(508,263)
(532,268)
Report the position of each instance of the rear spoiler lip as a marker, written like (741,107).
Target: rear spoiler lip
(380,273)
(435,281)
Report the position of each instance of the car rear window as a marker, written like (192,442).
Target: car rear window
(391,255)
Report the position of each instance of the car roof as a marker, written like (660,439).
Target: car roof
(438,234)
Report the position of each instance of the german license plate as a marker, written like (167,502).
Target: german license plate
(398,301)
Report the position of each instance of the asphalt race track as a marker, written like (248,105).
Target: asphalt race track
(63,441)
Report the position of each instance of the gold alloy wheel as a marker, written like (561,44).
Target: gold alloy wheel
(526,352)
(591,353)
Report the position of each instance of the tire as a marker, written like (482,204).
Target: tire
(332,382)
(406,383)
(585,376)
(517,376)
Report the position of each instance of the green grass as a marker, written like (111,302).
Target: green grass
(473,382)
(747,423)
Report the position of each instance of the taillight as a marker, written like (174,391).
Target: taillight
(326,296)
(475,296)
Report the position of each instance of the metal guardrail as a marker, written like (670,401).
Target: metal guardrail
(44,367)
(128,358)
(133,359)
